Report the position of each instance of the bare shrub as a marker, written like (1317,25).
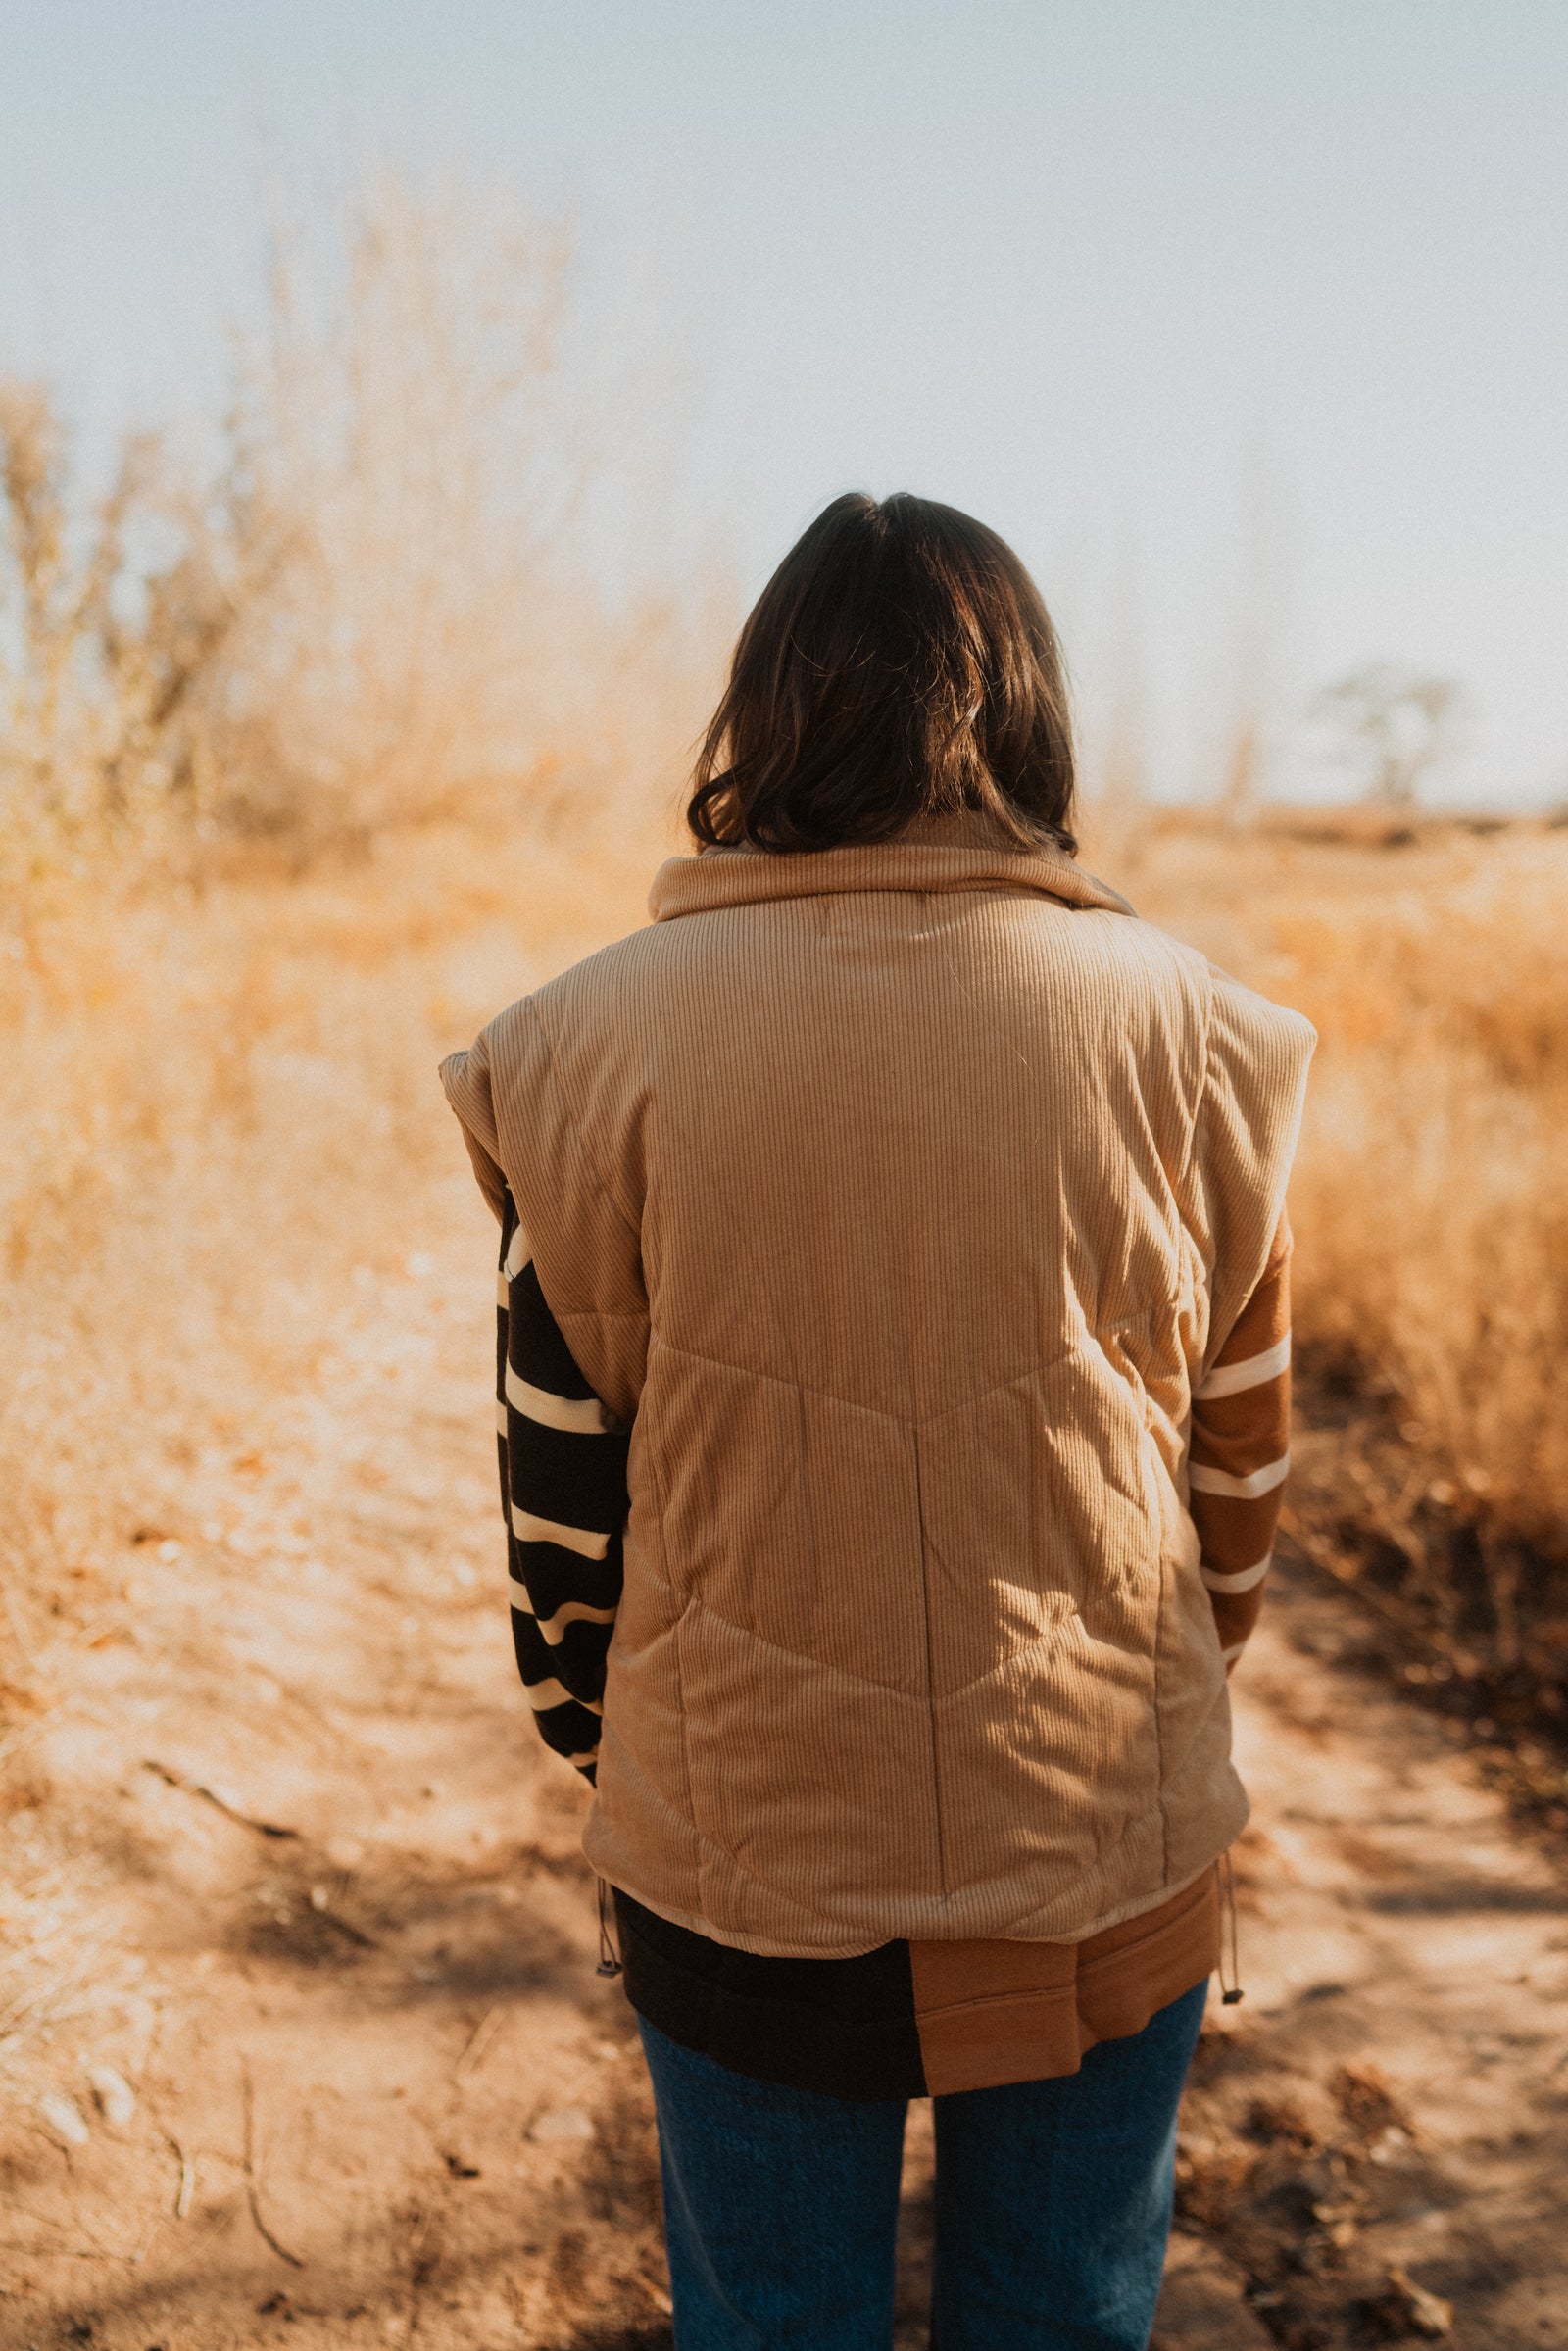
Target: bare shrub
(401,447)
(377,602)
(107,620)
(1389,728)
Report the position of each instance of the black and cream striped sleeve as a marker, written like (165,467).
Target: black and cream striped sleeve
(563,1493)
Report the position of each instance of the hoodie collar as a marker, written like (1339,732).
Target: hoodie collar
(746,876)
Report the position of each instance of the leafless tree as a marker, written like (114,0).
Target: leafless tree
(1390,726)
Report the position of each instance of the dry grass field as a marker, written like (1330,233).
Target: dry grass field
(277,1845)
(217,1107)
(1431,1207)
(1428,1201)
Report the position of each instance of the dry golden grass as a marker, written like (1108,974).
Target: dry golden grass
(213,1103)
(1430,1202)
(210,1099)
(223,1126)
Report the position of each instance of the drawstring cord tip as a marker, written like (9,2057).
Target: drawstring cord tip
(609,1957)
(1232,1992)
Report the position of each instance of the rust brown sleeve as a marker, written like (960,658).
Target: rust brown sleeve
(1241,1452)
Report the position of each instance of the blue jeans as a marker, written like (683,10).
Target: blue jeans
(1052,2203)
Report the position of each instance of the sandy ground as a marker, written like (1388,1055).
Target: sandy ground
(288,1859)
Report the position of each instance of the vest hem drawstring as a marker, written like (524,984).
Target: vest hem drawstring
(1229,1994)
(608,1956)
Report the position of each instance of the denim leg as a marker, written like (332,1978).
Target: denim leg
(780,2208)
(1054,2198)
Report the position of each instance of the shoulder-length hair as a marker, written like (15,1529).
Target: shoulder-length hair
(899,663)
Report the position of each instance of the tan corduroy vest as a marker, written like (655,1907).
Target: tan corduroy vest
(899,1196)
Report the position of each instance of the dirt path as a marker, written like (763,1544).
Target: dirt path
(287,1857)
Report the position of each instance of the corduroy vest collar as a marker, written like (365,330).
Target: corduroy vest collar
(745,877)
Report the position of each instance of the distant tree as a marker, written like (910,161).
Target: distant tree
(1392,726)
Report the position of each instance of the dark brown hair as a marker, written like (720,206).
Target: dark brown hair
(899,663)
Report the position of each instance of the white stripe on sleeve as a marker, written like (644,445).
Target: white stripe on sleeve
(581,1540)
(542,1695)
(1239,1490)
(519,1252)
(1232,1379)
(1230,1655)
(579,1416)
(1244,1578)
(570,1612)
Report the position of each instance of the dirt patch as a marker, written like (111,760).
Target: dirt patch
(289,1859)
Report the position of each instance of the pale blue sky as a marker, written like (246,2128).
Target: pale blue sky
(1121,277)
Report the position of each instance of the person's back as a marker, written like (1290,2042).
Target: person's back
(896,1195)
(925,1156)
